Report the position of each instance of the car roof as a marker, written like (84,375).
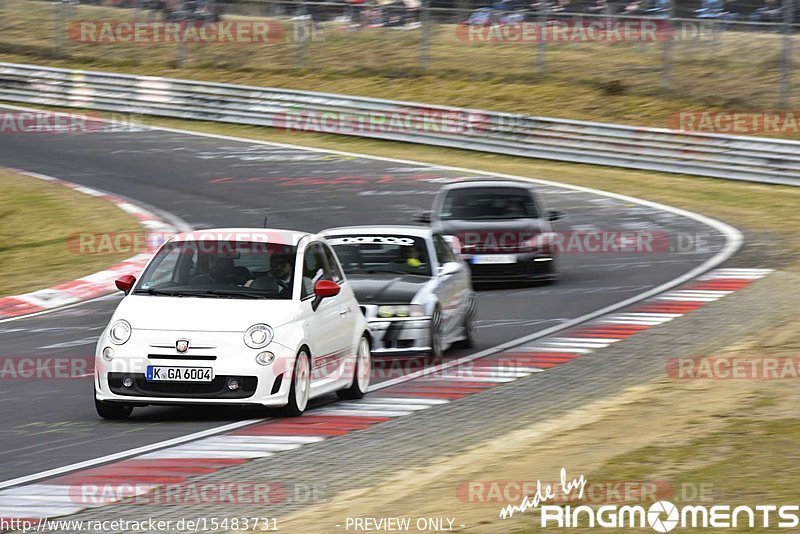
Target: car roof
(262,235)
(474,184)
(417,231)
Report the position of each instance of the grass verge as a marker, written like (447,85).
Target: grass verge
(701,442)
(36,219)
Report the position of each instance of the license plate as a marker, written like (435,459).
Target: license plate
(158,373)
(493,259)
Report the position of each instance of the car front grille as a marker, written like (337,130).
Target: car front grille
(216,389)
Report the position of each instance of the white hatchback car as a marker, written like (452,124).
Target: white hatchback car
(236,317)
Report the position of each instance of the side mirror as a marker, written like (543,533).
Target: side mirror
(555,215)
(326,288)
(451,267)
(455,244)
(322,290)
(125,283)
(423,217)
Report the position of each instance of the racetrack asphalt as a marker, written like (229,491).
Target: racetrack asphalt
(210,182)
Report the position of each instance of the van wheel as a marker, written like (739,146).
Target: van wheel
(362,373)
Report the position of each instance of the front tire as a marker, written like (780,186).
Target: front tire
(470,328)
(112,411)
(301,386)
(436,335)
(361,374)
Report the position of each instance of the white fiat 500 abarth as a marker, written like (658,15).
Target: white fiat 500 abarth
(236,317)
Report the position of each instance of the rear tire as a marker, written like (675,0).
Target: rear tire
(112,411)
(301,386)
(361,374)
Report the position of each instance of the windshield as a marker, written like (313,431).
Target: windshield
(489,203)
(220,269)
(382,253)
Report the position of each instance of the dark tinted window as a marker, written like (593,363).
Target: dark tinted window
(315,268)
(218,268)
(485,203)
(337,274)
(371,254)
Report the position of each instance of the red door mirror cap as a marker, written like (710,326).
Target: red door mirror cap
(125,283)
(326,288)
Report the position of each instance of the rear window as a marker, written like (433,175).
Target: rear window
(483,203)
(396,254)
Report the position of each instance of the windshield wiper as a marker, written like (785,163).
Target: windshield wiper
(159,292)
(221,293)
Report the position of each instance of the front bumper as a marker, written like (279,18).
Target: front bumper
(398,336)
(525,266)
(222,352)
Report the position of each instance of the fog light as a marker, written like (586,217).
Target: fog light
(127,381)
(233,384)
(108,354)
(265,358)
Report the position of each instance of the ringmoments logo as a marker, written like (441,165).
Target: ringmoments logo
(661,516)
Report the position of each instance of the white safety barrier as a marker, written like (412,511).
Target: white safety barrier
(752,159)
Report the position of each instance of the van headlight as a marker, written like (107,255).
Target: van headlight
(404,310)
(120,332)
(258,336)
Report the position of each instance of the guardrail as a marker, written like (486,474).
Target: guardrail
(752,159)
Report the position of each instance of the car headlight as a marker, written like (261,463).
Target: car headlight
(258,336)
(403,310)
(120,332)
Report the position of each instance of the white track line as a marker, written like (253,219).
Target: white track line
(126,454)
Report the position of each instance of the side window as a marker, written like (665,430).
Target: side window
(444,254)
(315,268)
(334,266)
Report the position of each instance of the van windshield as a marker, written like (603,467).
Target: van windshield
(484,203)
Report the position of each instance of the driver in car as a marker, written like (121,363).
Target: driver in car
(281,269)
(279,277)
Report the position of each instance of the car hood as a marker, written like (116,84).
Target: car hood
(386,288)
(151,312)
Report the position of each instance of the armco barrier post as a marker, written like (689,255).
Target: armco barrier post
(784,99)
(180,47)
(306,24)
(666,76)
(541,44)
(60,28)
(425,36)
